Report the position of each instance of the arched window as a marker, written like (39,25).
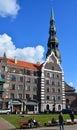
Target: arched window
(47,107)
(59,107)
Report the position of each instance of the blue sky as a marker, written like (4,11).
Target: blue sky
(24,31)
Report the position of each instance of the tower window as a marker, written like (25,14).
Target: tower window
(47,82)
(52,67)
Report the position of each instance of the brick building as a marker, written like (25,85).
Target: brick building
(34,88)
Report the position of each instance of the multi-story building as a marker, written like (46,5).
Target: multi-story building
(33,87)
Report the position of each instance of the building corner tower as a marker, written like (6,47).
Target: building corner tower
(52,75)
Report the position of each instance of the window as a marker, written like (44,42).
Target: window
(28,72)
(53,75)
(13,87)
(20,96)
(52,67)
(47,82)
(28,88)
(58,76)
(59,90)
(27,96)
(35,73)
(35,88)
(34,97)
(21,71)
(35,80)
(48,74)
(20,79)
(59,97)
(12,95)
(47,89)
(13,70)
(3,68)
(28,80)
(47,97)
(13,78)
(20,87)
(53,83)
(59,83)
(53,90)
(53,98)
(2,76)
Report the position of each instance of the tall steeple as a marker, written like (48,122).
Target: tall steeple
(52,40)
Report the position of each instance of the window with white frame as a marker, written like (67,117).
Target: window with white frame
(28,88)
(20,87)
(20,96)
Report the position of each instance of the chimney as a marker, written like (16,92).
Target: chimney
(15,60)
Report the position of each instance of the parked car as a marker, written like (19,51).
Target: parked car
(5,111)
(66,111)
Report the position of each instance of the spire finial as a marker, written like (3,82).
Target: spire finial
(52,14)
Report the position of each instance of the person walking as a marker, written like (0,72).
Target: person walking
(72,117)
(61,121)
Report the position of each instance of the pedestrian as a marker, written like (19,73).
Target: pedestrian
(61,121)
(72,117)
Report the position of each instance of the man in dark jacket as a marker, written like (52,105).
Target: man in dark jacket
(61,121)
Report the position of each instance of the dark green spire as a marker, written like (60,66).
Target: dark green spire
(52,40)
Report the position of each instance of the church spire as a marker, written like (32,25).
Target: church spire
(52,40)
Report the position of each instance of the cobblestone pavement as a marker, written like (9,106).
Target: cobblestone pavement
(4,125)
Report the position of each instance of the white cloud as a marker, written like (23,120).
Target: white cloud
(31,54)
(9,8)
(71,84)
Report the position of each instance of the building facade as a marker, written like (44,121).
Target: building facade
(34,88)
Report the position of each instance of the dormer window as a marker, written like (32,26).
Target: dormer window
(13,70)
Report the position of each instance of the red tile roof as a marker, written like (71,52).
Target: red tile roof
(23,63)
